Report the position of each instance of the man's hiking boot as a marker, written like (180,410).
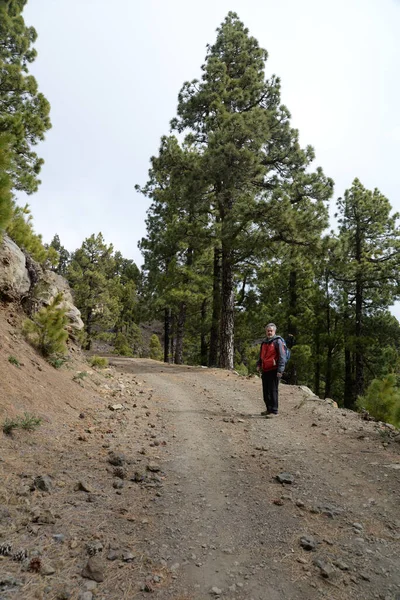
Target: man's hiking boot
(271,415)
(264,413)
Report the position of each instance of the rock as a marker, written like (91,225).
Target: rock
(326,569)
(127,556)
(43,517)
(331,402)
(83,486)
(90,586)
(215,591)
(43,483)
(308,542)
(118,484)
(307,390)
(14,277)
(49,284)
(115,407)
(153,467)
(94,569)
(59,538)
(85,596)
(93,548)
(116,459)
(341,565)
(47,569)
(285,478)
(139,476)
(113,555)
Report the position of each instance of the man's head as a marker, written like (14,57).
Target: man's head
(270,330)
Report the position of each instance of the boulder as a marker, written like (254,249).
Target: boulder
(14,278)
(47,288)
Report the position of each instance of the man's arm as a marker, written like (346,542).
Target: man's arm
(281,358)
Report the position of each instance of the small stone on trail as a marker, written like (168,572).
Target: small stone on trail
(115,407)
(215,591)
(43,483)
(153,467)
(94,569)
(83,486)
(308,543)
(116,459)
(285,478)
(113,555)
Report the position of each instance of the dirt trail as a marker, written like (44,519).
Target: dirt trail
(226,526)
(166,477)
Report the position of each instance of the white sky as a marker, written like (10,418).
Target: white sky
(112,73)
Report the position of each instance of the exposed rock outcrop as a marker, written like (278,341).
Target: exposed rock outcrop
(24,280)
(14,278)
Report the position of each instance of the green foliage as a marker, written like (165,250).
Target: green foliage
(57,361)
(62,256)
(301,359)
(24,110)
(28,422)
(5,183)
(80,376)
(14,361)
(156,352)
(382,400)
(121,345)
(20,229)
(91,276)
(46,330)
(99,362)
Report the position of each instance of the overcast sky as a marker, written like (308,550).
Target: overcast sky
(112,73)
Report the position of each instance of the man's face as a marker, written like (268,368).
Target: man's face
(270,332)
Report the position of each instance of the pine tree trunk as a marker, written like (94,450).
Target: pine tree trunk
(89,329)
(180,330)
(216,310)
(328,377)
(359,383)
(227,311)
(171,337)
(167,317)
(348,380)
(292,327)
(203,342)
(317,373)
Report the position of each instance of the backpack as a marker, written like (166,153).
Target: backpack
(287,352)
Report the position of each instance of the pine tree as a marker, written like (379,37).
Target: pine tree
(155,348)
(367,266)
(47,328)
(5,184)
(24,110)
(252,162)
(96,292)
(63,256)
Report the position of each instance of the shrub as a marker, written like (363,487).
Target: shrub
(99,361)
(121,345)
(14,361)
(46,330)
(156,352)
(382,400)
(27,422)
(79,376)
(57,361)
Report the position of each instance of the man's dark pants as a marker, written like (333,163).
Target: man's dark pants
(270,383)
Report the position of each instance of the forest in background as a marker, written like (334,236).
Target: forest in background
(237,233)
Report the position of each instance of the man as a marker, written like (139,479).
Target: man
(271,363)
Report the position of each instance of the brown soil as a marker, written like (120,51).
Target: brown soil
(210,512)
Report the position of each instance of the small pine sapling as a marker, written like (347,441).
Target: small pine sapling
(46,330)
